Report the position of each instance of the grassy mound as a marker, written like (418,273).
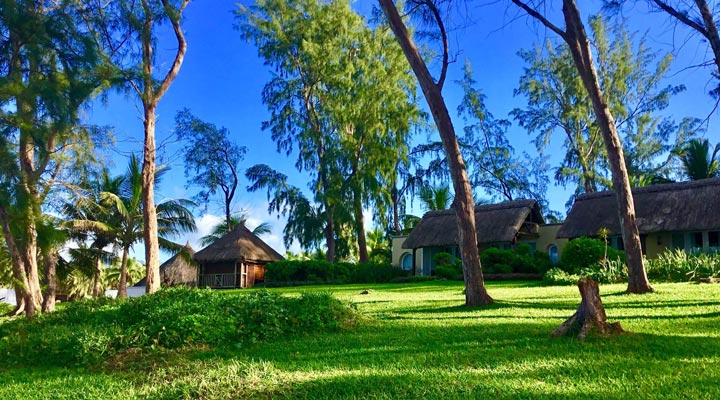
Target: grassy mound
(86,332)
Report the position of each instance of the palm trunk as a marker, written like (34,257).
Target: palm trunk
(582,56)
(475,292)
(97,275)
(122,286)
(51,280)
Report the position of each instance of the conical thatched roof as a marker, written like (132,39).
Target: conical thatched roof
(659,208)
(495,223)
(238,244)
(179,269)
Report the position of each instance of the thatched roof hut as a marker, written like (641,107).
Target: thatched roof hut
(235,260)
(495,223)
(670,207)
(240,244)
(179,269)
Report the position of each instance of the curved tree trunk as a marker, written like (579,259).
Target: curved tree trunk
(19,304)
(475,292)
(579,45)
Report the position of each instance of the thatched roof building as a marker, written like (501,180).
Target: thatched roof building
(240,244)
(179,269)
(236,260)
(686,206)
(496,223)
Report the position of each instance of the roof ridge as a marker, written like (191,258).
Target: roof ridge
(662,187)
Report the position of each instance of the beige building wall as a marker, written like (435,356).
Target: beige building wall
(398,253)
(548,237)
(657,243)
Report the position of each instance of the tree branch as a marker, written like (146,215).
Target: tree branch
(533,13)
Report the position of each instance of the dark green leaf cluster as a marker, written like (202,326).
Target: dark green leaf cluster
(587,252)
(520,260)
(295,272)
(87,332)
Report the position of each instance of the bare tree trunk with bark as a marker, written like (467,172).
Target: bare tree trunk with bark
(97,278)
(590,315)
(475,292)
(576,38)
(150,98)
(50,260)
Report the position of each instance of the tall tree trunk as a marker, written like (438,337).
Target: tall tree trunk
(396,210)
(150,233)
(50,260)
(330,234)
(576,38)
(97,275)
(360,227)
(122,286)
(475,292)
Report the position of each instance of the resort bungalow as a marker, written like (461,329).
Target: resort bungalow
(670,216)
(236,260)
(502,225)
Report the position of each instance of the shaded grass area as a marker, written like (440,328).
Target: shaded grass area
(421,342)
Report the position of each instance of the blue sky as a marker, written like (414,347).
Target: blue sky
(222,78)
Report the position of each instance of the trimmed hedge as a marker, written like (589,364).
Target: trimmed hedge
(298,272)
(522,260)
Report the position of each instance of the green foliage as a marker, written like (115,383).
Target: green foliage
(556,276)
(294,272)
(86,332)
(613,271)
(499,261)
(586,252)
(678,266)
(443,259)
(697,160)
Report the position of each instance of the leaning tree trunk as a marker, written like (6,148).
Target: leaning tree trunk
(579,45)
(475,292)
(590,315)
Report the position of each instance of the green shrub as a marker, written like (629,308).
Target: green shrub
(451,272)
(86,332)
(678,266)
(522,260)
(443,259)
(585,253)
(556,276)
(613,271)
(295,272)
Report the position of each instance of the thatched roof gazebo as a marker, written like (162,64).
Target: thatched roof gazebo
(682,215)
(236,260)
(178,270)
(505,222)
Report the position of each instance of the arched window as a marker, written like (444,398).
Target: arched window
(552,251)
(406,262)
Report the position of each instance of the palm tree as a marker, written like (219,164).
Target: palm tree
(697,161)
(435,198)
(121,218)
(222,228)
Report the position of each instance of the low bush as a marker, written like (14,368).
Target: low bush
(678,266)
(586,253)
(522,260)
(89,331)
(297,272)
(447,267)
(556,276)
(613,271)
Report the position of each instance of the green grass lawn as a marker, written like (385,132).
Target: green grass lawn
(420,342)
